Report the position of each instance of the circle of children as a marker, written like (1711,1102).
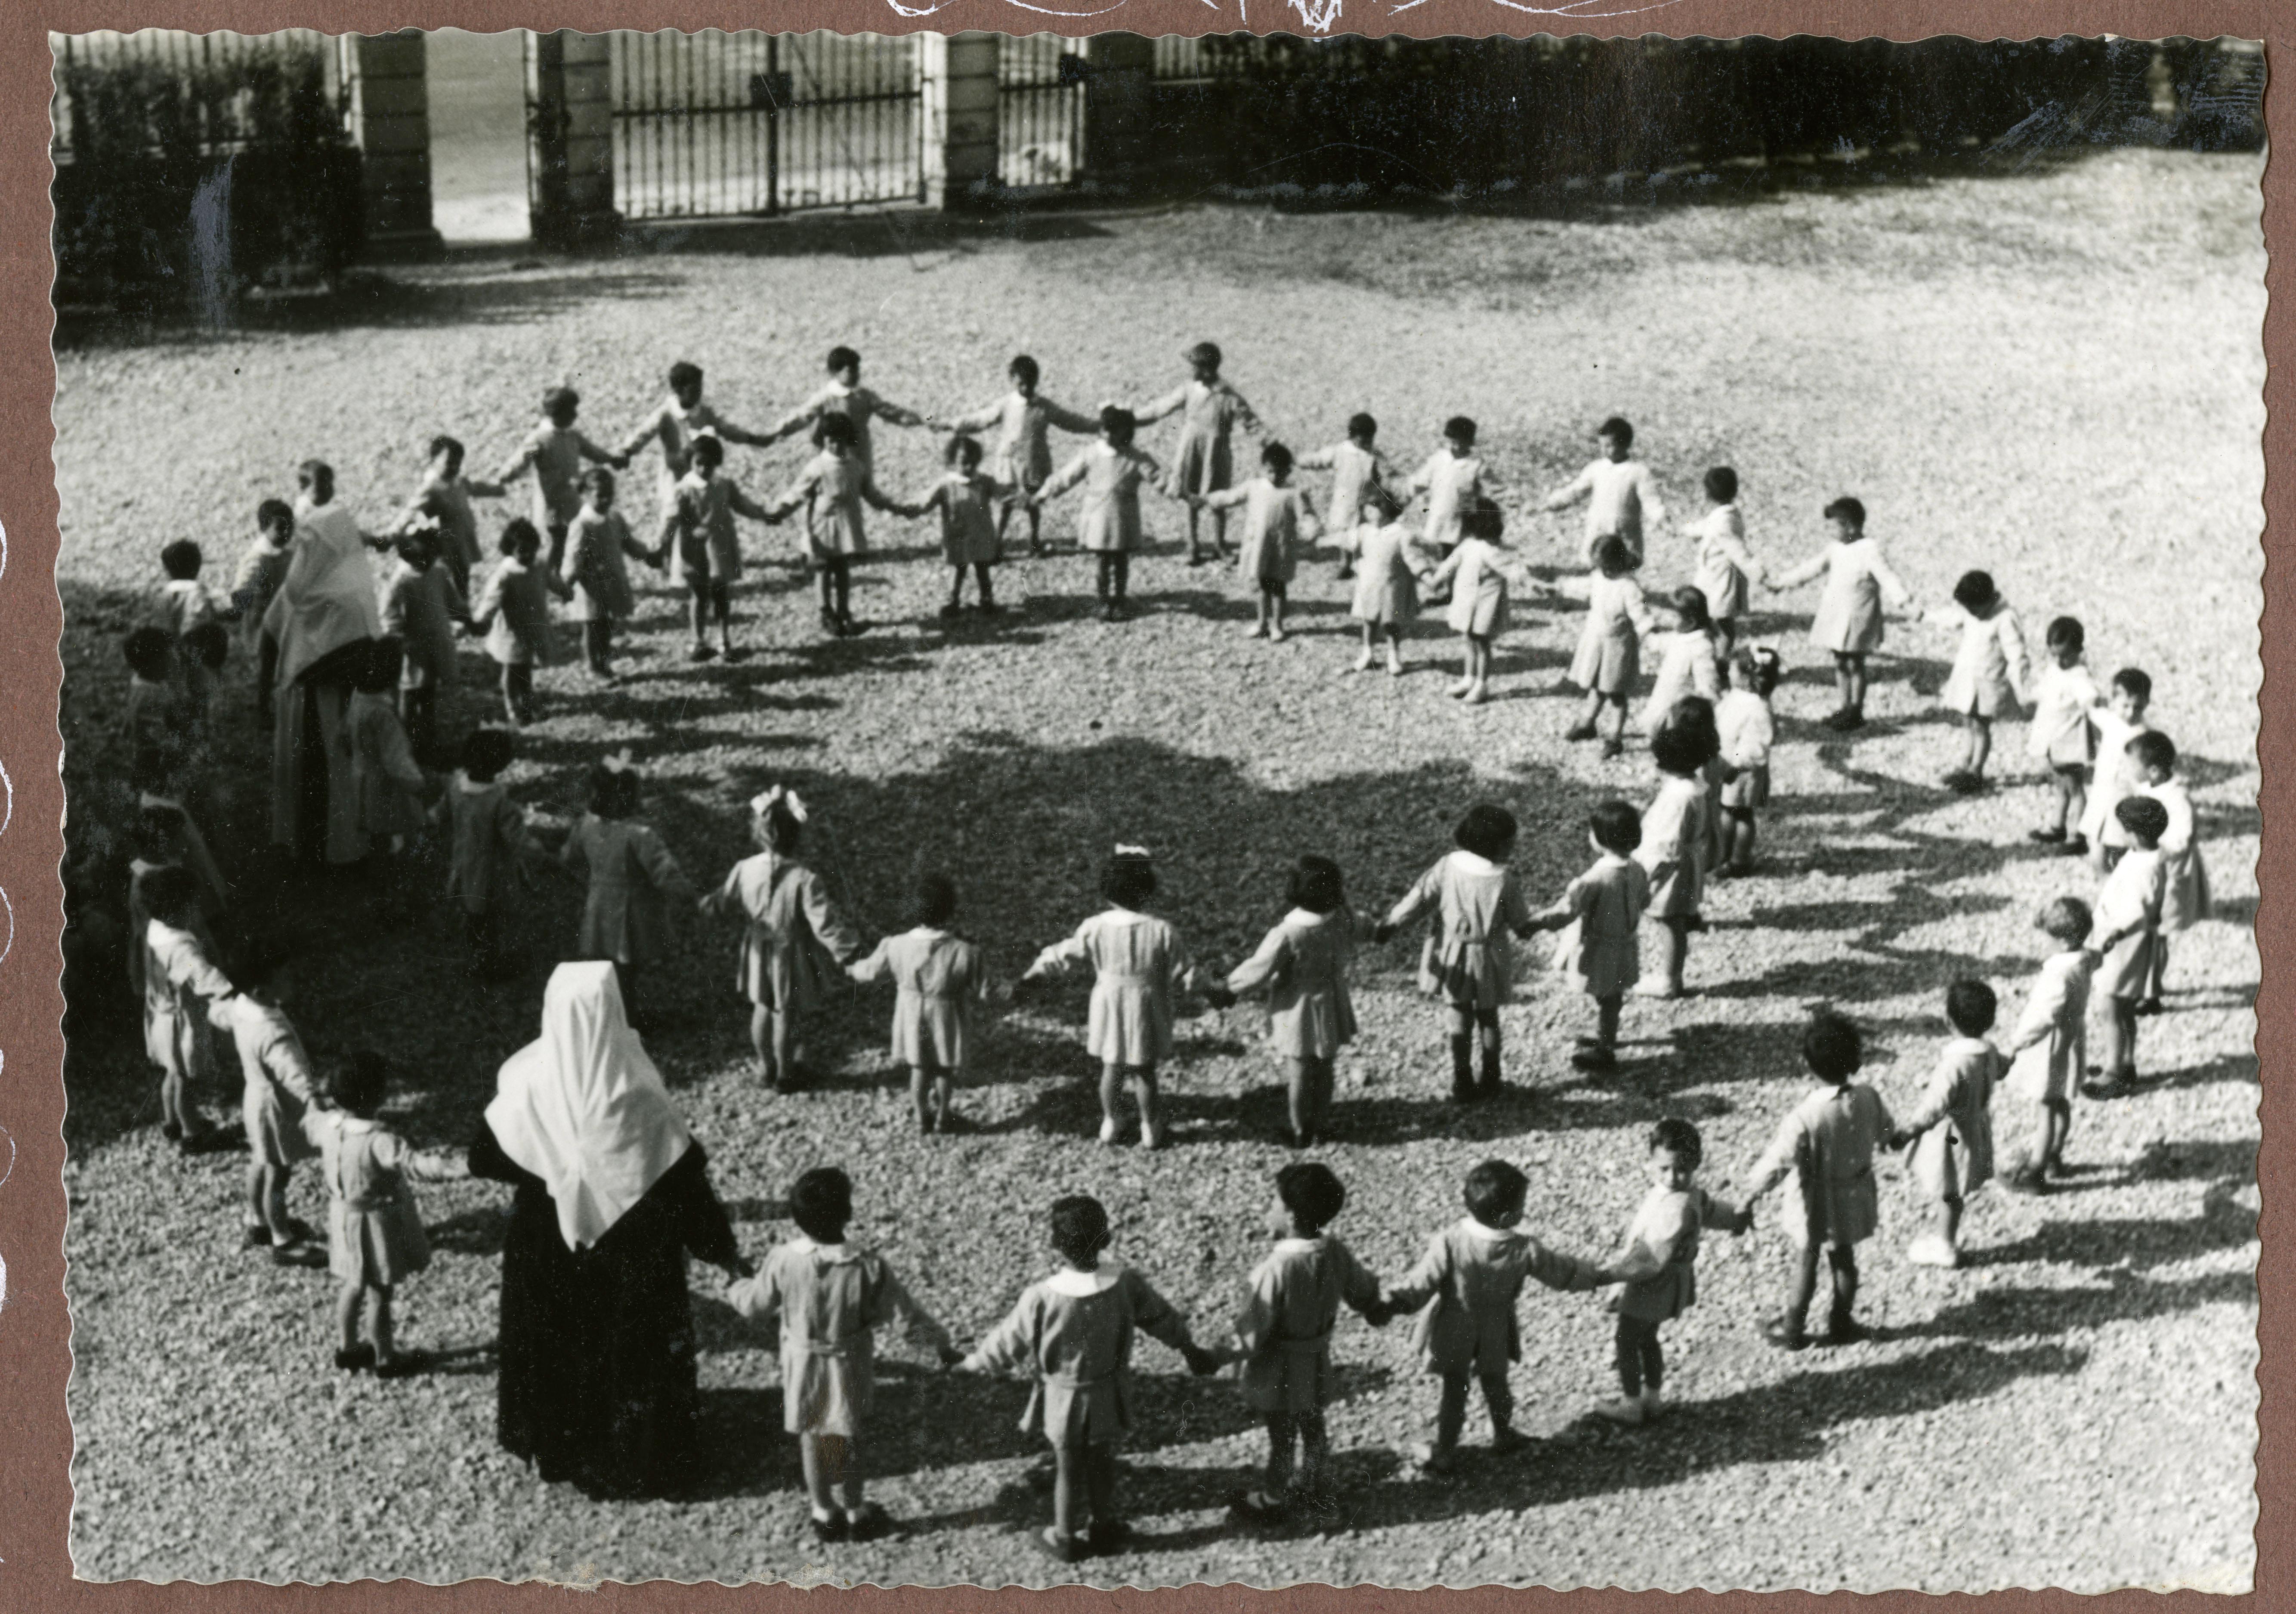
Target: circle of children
(2115,798)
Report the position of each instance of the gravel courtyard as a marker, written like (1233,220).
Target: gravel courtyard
(2053,374)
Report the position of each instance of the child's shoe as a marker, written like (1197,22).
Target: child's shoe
(1256,630)
(1108,1133)
(1580,731)
(1847,1331)
(1106,1534)
(406,1364)
(1363,661)
(828,624)
(1611,747)
(1458,691)
(1629,1412)
(2047,836)
(171,1131)
(2024,1178)
(2148,1006)
(1477,694)
(257,1236)
(828,1526)
(1931,1250)
(2076,845)
(704,652)
(1595,1059)
(1060,1548)
(1784,1335)
(951,612)
(1255,1507)
(1394,662)
(1506,1439)
(1275,636)
(868,1522)
(357,1359)
(1652,1404)
(1149,1138)
(1651,986)
(296,1254)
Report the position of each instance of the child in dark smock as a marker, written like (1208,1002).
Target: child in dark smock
(1303,963)
(490,852)
(1658,1264)
(1073,1332)
(827,1299)
(632,878)
(939,980)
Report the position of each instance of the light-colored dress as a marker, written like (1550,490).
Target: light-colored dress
(1724,566)
(1022,456)
(968,517)
(632,880)
(858,404)
(1848,618)
(261,570)
(1454,485)
(1688,664)
(1139,966)
(1387,586)
(2184,899)
(1284,1329)
(1464,1290)
(391,786)
(555,456)
(596,546)
(2052,1036)
(1660,1257)
(795,936)
(451,497)
(1678,842)
(420,609)
(2064,697)
(180,981)
(1988,666)
(2133,893)
(827,1302)
(1748,730)
(1621,497)
(1954,1158)
(939,982)
(1303,962)
(1826,1145)
(1210,414)
(1609,657)
(700,527)
(514,608)
(1354,470)
(1073,1332)
(831,488)
(1267,551)
(1111,477)
(277,1076)
(489,846)
(2117,778)
(1475,569)
(374,1230)
(1601,946)
(676,426)
(1468,957)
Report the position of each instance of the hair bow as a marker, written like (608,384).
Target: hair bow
(619,762)
(778,796)
(1127,851)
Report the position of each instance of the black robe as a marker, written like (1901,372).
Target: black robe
(596,1346)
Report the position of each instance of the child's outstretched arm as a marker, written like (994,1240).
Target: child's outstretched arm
(1011,1346)
(660,867)
(1420,1285)
(1777,1161)
(875,968)
(1795,576)
(741,504)
(1156,1317)
(1560,1269)
(832,927)
(892,1303)
(885,409)
(792,498)
(2012,651)
(1068,420)
(1068,476)
(1058,959)
(800,419)
(1893,587)
(1579,486)
(1357,1288)
(1274,955)
(1156,409)
(1421,895)
(759,1299)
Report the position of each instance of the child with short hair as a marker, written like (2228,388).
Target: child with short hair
(278,1087)
(1826,1144)
(391,787)
(445,498)
(2128,910)
(597,543)
(1211,410)
(827,1298)
(184,605)
(1952,1132)
(1276,515)
(1476,570)
(489,851)
(2185,901)
(1848,624)
(1621,494)
(794,936)
(1600,915)
(1356,467)
(1072,1332)
(2119,720)
(180,981)
(159,718)
(1478,905)
(1725,566)
(2064,696)
(1658,1263)
(939,979)
(1464,1290)
(1455,480)
(844,397)
(1678,838)
(1690,659)
(831,488)
(678,423)
(1282,1336)
(420,608)
(1022,459)
(162,836)
(262,568)
(632,880)
(1608,661)
(1744,724)
(554,452)
(1387,571)
(703,549)
(1988,673)
(1139,966)
(1111,471)
(1303,962)
(514,612)
(375,1238)
(2048,1051)
(970,532)
(319,515)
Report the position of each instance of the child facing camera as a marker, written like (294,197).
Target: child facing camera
(1600,915)
(1657,1264)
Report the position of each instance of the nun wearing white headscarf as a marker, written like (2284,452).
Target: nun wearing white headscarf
(326,612)
(596,1340)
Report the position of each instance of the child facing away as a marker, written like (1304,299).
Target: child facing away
(180,979)
(1072,1333)
(1303,962)
(794,936)
(420,606)
(262,568)
(1283,1338)
(939,982)
(632,880)
(1744,723)
(162,836)
(1455,480)
(278,1086)
(1139,966)
(1952,1131)
(1112,473)
(1600,915)
(844,396)
(598,544)
(831,489)
(827,1298)
(1826,1144)
(1848,624)
(1022,459)
(970,526)
(392,789)
(1387,577)
(1477,571)
(2129,909)
(1725,566)
(1990,673)
(1356,467)
(184,606)
(1477,905)
(445,498)
(2049,1048)
(160,751)
(2184,899)
(703,550)
(320,515)
(1464,1290)
(554,452)
(1276,516)
(1657,1264)
(679,421)
(2059,735)
(1678,838)
(2119,720)
(1622,496)
(514,612)
(375,1239)
(1608,662)
(1209,410)
(1690,659)
(489,855)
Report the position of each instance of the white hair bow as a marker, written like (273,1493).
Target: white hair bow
(619,762)
(1123,850)
(778,796)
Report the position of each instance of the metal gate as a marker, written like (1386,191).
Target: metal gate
(714,124)
(1040,79)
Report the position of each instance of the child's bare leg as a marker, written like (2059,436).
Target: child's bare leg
(1275,597)
(917,1097)
(1858,683)
(700,606)
(1463,1050)
(944,1088)
(1321,1115)
(1122,569)
(1036,539)
(1843,1260)
(1071,1493)
(785,1034)
(1144,1093)
(841,1457)
(1487,1020)
(259,1203)
(761,1030)
(1588,717)
(2156,973)
(1678,952)
(1945,1221)
(1498,1400)
(1112,1087)
(1195,547)
(274,1203)
(1298,1073)
(1844,688)
(1615,736)
(721,602)
(1450,1414)
(378,1325)
(1800,1291)
(348,1300)
(2056,1129)
(821,1473)
(1315,1451)
(510,694)
(956,586)
(1980,743)
(1219,530)
(823,589)
(1282,1429)
(2120,1041)
(1606,1018)
(983,588)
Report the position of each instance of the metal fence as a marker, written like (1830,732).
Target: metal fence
(1040,107)
(713,124)
(217,109)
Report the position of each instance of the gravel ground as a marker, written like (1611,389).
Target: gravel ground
(2054,375)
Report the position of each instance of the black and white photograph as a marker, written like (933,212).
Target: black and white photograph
(935,810)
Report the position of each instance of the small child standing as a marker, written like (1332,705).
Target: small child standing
(158,718)
(2184,897)
(1952,1132)
(1747,730)
(1356,467)
(1023,457)
(1621,495)
(1988,673)
(180,981)
(1826,1144)
(184,606)
(1600,915)
(445,497)
(1303,963)
(792,935)
(1658,1264)
(2119,720)
(632,880)
(2049,1048)
(1209,410)
(278,1089)
(939,980)
(844,397)
(392,788)
(1107,528)
(1608,662)
(970,528)
(1725,566)
(677,422)
(831,488)
(1848,624)
(827,1299)
(1072,1332)
(1275,516)
(1139,966)
(262,568)
(597,544)
(1677,841)
(1476,570)
(1455,480)
(703,550)
(554,452)
(2128,930)
(2064,696)
(375,1238)
(420,608)
(1283,1336)
(1690,659)
(514,609)
(489,852)
(1387,588)
(319,515)
(1464,1290)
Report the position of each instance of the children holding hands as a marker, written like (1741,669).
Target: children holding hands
(1276,515)
(1622,496)
(1657,1264)
(1209,410)
(1952,1132)
(1847,625)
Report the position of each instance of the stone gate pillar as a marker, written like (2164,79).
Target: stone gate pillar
(1119,86)
(391,120)
(958,100)
(570,130)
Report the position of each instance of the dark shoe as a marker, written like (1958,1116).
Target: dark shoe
(990,608)
(357,1359)
(1580,731)
(1060,1548)
(256,1237)
(298,1254)
(702,652)
(2025,1179)
(1505,1440)
(1841,720)
(2076,845)
(1255,1507)
(1785,1337)
(171,1131)
(1611,747)
(832,1528)
(850,628)
(406,1364)
(2148,1006)
(1106,1534)
(951,612)
(2048,837)
(1595,1059)
(1107,612)
(868,1522)
(1195,558)
(735,652)
(1847,1331)
(829,622)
